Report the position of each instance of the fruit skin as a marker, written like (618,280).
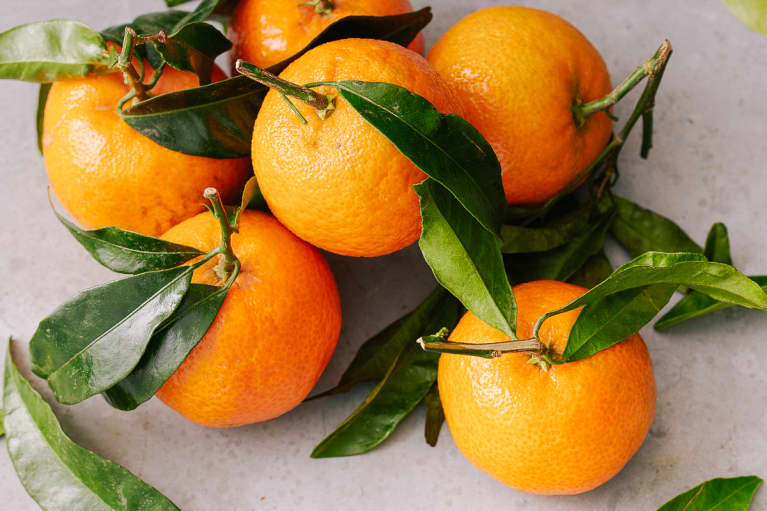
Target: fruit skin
(265,32)
(106,173)
(562,431)
(519,71)
(273,335)
(339,183)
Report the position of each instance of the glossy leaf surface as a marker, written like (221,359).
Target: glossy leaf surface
(96,339)
(562,262)
(51,50)
(733,494)
(56,472)
(444,146)
(129,252)
(216,120)
(695,305)
(169,346)
(465,257)
(194,48)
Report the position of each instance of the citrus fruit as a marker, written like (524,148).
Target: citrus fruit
(265,32)
(106,173)
(519,72)
(339,183)
(564,430)
(273,335)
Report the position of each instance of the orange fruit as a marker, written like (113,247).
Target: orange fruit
(106,173)
(273,335)
(519,72)
(265,32)
(339,183)
(564,430)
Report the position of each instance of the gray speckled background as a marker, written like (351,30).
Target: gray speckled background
(709,164)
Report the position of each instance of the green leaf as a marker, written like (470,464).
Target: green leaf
(465,258)
(129,252)
(252,198)
(435,416)
(715,279)
(2,417)
(640,230)
(203,10)
(42,99)
(697,304)
(56,472)
(377,354)
(406,382)
(51,50)
(562,262)
(169,346)
(733,494)
(717,247)
(217,120)
(444,146)
(194,48)
(96,339)
(751,12)
(519,240)
(616,317)
(596,269)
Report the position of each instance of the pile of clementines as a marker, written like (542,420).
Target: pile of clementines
(334,182)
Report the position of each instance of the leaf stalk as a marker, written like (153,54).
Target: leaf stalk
(228,265)
(322,103)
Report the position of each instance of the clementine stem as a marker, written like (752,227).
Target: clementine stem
(229,262)
(321,6)
(650,67)
(322,103)
(124,64)
(485,350)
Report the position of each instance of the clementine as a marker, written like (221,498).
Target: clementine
(106,173)
(265,32)
(273,335)
(339,183)
(520,72)
(564,430)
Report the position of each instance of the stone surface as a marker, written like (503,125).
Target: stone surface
(708,165)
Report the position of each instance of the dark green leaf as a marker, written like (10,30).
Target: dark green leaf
(640,230)
(616,317)
(56,472)
(252,198)
(96,339)
(216,120)
(445,147)
(378,353)
(194,48)
(562,262)
(733,494)
(596,269)
(169,347)
(42,99)
(718,280)
(201,13)
(465,258)
(51,50)
(435,416)
(2,417)
(718,244)
(407,380)
(697,304)
(751,12)
(518,239)
(129,252)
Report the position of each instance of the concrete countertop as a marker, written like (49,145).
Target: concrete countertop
(709,164)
